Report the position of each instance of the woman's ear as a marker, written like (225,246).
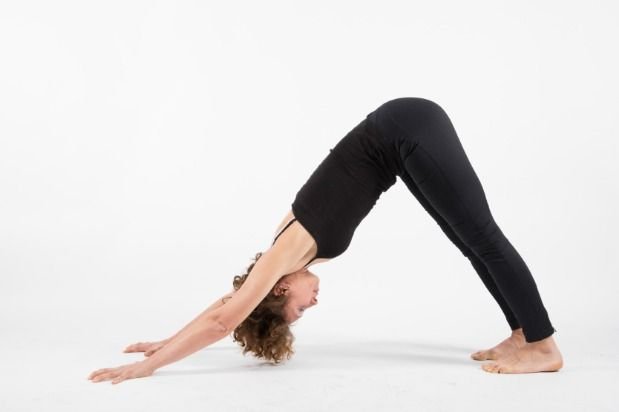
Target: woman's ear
(280,288)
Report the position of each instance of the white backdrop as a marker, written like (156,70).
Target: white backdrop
(149,149)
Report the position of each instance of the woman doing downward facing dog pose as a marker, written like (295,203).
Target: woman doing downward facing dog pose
(409,137)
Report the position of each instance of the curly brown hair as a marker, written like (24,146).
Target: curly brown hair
(264,332)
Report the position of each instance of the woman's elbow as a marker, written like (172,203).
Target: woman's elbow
(220,325)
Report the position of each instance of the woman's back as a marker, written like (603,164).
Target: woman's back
(343,189)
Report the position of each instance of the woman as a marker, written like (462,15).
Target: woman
(409,137)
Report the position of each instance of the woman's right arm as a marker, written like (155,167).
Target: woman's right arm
(221,321)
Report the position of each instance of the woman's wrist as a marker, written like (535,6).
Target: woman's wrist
(149,365)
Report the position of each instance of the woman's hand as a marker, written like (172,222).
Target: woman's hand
(147,347)
(138,369)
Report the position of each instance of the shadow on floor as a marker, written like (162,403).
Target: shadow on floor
(340,355)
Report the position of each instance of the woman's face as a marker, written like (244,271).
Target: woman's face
(302,289)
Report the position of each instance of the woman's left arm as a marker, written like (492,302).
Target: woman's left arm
(199,333)
(218,323)
(151,347)
(203,315)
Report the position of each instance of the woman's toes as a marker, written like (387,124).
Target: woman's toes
(491,367)
(483,355)
(490,354)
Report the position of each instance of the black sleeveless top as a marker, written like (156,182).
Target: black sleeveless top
(344,188)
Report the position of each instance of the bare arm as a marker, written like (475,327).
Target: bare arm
(221,300)
(202,316)
(212,326)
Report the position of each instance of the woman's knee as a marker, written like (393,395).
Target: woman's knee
(487,239)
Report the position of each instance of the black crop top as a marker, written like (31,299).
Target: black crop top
(344,188)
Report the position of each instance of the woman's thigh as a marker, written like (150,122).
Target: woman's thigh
(433,156)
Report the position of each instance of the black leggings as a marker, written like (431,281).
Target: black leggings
(438,172)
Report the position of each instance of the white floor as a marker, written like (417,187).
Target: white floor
(148,149)
(48,355)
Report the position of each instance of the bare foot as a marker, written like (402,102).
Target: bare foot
(540,356)
(515,341)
